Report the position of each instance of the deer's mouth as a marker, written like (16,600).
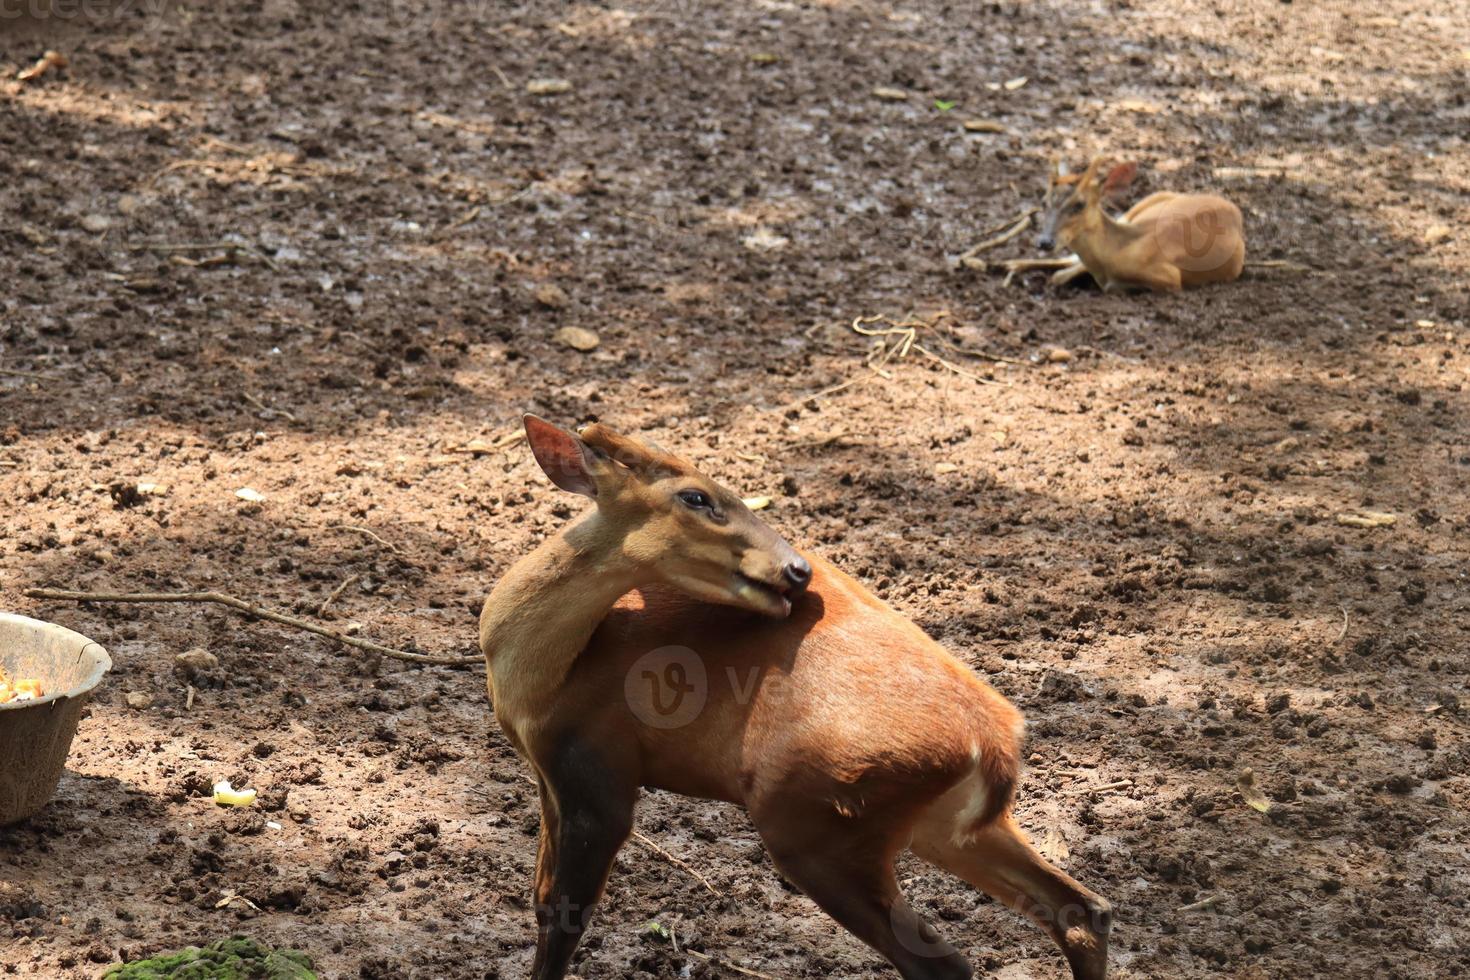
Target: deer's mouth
(763,597)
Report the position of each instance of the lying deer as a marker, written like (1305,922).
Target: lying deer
(1164,242)
(670,639)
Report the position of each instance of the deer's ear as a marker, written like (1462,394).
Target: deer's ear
(561,455)
(1119,178)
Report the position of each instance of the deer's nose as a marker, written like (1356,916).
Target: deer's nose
(1046,243)
(798,574)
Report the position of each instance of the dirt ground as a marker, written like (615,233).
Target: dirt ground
(317,250)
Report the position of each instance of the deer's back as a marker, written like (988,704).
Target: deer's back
(842,693)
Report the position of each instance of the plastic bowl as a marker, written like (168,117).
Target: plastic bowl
(35,736)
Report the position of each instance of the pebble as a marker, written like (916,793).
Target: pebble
(551,296)
(196,661)
(577,338)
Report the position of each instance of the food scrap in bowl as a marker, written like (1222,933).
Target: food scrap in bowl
(26,689)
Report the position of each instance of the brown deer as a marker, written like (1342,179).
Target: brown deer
(1164,242)
(670,639)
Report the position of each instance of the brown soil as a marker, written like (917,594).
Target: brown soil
(1139,545)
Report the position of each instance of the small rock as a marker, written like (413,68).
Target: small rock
(192,663)
(940,469)
(96,223)
(1058,355)
(551,296)
(139,700)
(983,126)
(1437,234)
(890,94)
(577,338)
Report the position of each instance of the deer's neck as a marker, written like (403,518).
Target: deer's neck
(541,614)
(1102,237)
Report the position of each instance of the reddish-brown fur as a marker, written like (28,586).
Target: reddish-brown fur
(786,686)
(1165,242)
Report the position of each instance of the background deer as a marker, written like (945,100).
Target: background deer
(846,733)
(1164,242)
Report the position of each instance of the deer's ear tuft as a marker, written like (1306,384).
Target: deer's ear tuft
(1120,177)
(561,455)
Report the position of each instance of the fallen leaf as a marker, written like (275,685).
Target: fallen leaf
(475,447)
(757,503)
(1016,83)
(1254,798)
(1437,234)
(250,495)
(983,126)
(765,240)
(1140,106)
(548,86)
(577,338)
(765,58)
(890,94)
(1368,518)
(47,61)
(1054,846)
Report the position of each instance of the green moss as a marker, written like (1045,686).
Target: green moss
(236,958)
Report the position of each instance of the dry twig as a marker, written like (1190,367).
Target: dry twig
(1105,787)
(266,408)
(655,848)
(968,260)
(365,533)
(729,966)
(249,609)
(322,609)
(33,375)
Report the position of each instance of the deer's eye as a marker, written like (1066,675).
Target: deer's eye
(696,500)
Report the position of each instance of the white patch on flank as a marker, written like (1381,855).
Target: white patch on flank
(975,793)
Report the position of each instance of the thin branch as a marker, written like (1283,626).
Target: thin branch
(1105,787)
(728,965)
(36,375)
(266,408)
(1021,224)
(322,609)
(366,533)
(655,848)
(249,609)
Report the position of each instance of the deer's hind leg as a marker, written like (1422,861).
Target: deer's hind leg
(998,860)
(845,865)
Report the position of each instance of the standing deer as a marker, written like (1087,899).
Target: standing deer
(670,639)
(1164,242)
